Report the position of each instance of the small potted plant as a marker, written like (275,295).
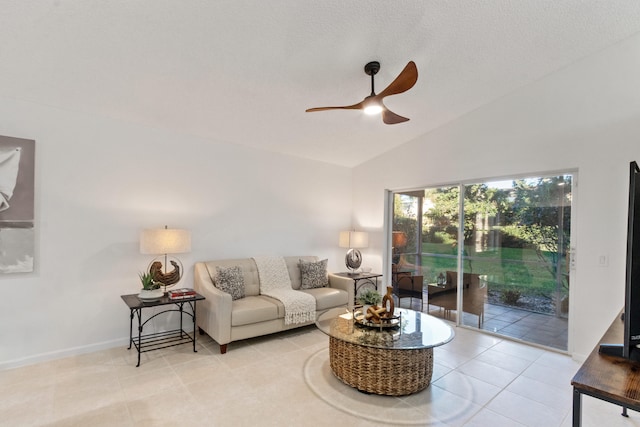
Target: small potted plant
(370,297)
(150,288)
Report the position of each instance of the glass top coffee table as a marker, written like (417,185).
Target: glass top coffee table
(395,360)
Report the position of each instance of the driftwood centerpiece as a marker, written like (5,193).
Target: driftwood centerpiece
(377,314)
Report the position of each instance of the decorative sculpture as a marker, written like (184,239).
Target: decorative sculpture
(166,279)
(388,303)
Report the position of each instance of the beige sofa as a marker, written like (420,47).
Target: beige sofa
(226,320)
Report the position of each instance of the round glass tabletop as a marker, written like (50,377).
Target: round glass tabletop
(415,330)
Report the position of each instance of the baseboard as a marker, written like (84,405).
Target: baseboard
(579,357)
(59,354)
(73,351)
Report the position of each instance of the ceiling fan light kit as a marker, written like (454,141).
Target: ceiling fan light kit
(373,108)
(373,104)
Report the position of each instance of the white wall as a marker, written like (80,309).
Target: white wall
(585,117)
(99,181)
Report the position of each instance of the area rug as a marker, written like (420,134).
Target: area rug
(432,406)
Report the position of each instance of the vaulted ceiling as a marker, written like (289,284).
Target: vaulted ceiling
(243,72)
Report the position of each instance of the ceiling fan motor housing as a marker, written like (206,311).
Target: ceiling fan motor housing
(372,68)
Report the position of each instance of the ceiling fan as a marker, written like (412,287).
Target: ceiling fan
(373,104)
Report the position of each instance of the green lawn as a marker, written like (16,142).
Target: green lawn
(504,268)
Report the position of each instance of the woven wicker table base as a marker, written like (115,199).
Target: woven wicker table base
(392,372)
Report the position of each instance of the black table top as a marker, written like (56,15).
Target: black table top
(359,275)
(133,301)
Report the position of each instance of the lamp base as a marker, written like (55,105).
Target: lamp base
(353,260)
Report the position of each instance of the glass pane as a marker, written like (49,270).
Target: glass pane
(407,275)
(440,232)
(425,232)
(441,221)
(405,238)
(515,276)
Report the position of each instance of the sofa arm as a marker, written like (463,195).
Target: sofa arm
(214,313)
(344,283)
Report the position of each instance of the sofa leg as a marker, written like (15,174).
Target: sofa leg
(223,348)
(200,330)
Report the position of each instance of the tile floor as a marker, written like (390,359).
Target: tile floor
(284,379)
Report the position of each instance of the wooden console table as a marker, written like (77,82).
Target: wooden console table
(608,378)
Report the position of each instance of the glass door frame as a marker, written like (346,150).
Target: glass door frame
(571,246)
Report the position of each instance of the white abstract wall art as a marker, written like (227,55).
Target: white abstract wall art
(17,165)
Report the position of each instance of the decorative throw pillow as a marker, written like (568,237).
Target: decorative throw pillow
(313,274)
(230,280)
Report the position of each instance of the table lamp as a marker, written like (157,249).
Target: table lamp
(165,241)
(398,241)
(353,240)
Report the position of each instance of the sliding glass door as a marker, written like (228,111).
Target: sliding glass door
(491,255)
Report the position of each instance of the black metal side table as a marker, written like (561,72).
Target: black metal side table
(158,340)
(361,280)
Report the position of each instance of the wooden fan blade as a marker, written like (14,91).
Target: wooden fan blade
(346,107)
(405,81)
(391,118)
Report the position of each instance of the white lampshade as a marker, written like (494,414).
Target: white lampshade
(158,241)
(354,239)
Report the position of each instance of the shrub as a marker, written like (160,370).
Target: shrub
(510,296)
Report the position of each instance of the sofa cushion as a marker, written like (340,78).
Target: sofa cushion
(313,274)
(254,309)
(230,280)
(328,297)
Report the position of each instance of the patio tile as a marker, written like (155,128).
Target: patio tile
(537,328)
(495,310)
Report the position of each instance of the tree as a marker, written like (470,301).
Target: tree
(479,200)
(532,213)
(541,216)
